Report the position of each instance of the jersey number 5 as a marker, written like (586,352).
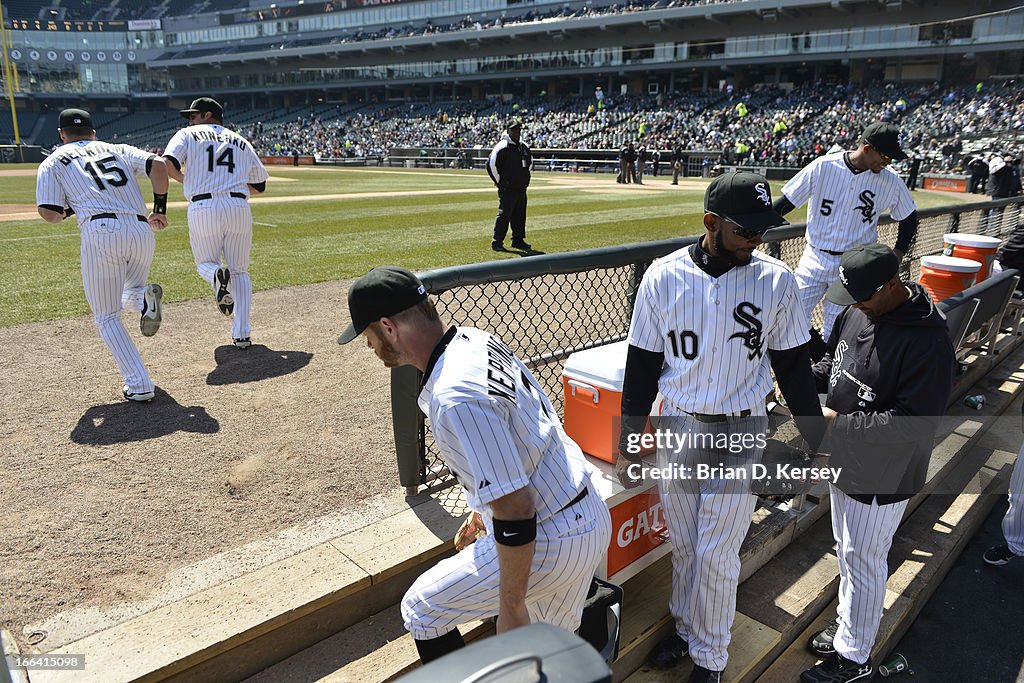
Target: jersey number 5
(826,206)
(226,159)
(106,169)
(685,345)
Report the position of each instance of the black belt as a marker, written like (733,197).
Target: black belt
(207,195)
(579,496)
(718,417)
(829,251)
(98,216)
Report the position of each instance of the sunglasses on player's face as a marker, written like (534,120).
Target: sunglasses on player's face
(885,157)
(739,230)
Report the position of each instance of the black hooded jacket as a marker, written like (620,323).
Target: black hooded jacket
(889,379)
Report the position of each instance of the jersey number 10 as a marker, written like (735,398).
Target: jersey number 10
(685,345)
(226,159)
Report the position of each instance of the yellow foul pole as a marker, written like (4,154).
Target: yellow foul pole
(10,73)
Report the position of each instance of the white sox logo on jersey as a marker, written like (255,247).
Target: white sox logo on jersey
(867,205)
(746,314)
(837,362)
(762,193)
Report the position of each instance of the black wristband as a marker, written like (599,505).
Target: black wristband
(68,212)
(515,532)
(160,203)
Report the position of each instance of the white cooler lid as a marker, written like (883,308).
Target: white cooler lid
(968,240)
(951,264)
(602,366)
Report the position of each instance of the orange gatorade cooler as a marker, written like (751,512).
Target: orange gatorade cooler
(944,276)
(980,248)
(592,388)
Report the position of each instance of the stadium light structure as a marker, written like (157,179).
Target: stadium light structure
(10,72)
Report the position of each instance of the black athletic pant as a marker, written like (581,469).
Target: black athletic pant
(511,212)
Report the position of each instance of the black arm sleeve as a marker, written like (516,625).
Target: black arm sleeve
(639,389)
(906,232)
(149,166)
(783,206)
(792,369)
(174,162)
(259,187)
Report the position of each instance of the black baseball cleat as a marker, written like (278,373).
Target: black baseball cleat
(242,343)
(822,642)
(702,675)
(998,555)
(497,246)
(521,244)
(669,651)
(225,302)
(137,396)
(152,298)
(837,669)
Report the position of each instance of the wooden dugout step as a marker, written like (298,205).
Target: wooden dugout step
(241,627)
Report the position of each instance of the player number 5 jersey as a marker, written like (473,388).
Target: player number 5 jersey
(217,160)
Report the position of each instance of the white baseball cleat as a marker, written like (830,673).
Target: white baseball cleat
(224,299)
(152,313)
(137,396)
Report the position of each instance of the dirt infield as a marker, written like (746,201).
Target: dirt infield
(105,498)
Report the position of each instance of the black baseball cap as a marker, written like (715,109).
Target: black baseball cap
(204,104)
(382,292)
(514,123)
(74,117)
(745,199)
(862,272)
(884,137)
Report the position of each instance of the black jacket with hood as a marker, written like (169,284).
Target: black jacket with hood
(889,379)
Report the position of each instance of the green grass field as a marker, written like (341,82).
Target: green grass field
(316,240)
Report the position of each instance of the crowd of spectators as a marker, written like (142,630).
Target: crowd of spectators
(765,126)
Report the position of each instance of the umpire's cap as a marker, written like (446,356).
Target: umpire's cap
(382,292)
(204,104)
(745,199)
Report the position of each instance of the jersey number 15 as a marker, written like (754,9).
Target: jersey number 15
(106,169)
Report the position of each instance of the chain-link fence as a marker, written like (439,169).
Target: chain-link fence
(548,307)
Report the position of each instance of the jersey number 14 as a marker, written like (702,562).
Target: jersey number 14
(226,159)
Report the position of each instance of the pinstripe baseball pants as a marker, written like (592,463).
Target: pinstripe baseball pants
(815,272)
(464,588)
(863,536)
(1013,521)
(116,255)
(223,225)
(707,520)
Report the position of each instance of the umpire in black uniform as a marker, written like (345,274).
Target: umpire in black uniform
(509,167)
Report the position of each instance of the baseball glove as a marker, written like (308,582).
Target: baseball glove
(782,474)
(471,529)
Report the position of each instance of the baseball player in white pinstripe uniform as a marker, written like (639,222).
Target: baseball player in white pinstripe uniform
(707,321)
(498,433)
(888,372)
(96,182)
(1013,521)
(845,193)
(222,170)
